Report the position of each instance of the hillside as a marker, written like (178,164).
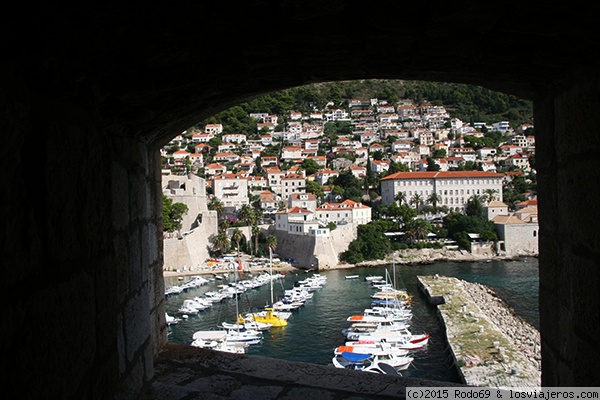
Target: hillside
(466,102)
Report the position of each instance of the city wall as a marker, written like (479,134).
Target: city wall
(315,251)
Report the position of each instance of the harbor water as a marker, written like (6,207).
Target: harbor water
(315,329)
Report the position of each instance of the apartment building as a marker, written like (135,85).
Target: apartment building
(232,189)
(453,187)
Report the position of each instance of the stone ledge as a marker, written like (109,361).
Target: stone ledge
(184,372)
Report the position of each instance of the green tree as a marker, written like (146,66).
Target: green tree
(216,205)
(490,194)
(416,200)
(172,214)
(272,242)
(310,166)
(434,199)
(417,229)
(439,153)
(432,165)
(221,242)
(474,206)
(315,188)
(398,167)
(237,237)
(371,242)
(400,197)
(247,214)
(255,235)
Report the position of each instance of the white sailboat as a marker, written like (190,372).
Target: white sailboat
(239,333)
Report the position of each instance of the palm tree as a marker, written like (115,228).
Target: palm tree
(418,229)
(490,194)
(272,242)
(416,200)
(255,234)
(246,214)
(237,237)
(434,199)
(272,245)
(216,205)
(224,225)
(221,242)
(400,198)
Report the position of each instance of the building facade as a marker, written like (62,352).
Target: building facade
(231,189)
(454,188)
(346,212)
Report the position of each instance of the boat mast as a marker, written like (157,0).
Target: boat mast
(237,310)
(271,272)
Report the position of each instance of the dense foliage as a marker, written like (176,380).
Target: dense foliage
(172,214)
(467,102)
(371,242)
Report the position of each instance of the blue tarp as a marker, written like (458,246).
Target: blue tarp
(355,357)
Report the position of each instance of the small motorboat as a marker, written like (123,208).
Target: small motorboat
(362,362)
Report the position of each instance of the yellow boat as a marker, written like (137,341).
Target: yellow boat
(270,318)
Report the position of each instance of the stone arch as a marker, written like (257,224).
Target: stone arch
(100,88)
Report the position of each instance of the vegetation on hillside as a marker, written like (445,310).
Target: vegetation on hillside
(466,102)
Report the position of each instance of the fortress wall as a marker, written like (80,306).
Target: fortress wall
(310,251)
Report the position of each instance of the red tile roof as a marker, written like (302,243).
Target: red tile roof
(441,175)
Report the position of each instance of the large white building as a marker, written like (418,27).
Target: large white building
(454,188)
(231,189)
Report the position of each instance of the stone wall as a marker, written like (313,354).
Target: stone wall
(189,247)
(315,251)
(519,239)
(569,241)
(82,260)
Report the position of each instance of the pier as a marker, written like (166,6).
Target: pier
(483,352)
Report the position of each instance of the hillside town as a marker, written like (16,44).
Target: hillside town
(323,174)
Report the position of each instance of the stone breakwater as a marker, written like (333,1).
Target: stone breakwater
(491,345)
(526,337)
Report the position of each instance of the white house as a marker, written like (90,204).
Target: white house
(292,183)
(346,212)
(379,166)
(215,129)
(231,189)
(518,233)
(291,153)
(323,175)
(234,137)
(296,221)
(303,200)
(202,137)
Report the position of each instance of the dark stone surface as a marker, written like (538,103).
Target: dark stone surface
(90,92)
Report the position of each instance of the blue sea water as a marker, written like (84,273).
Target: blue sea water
(315,329)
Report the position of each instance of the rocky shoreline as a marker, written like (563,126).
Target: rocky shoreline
(431,256)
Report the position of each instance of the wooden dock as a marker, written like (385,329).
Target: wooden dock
(484,355)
